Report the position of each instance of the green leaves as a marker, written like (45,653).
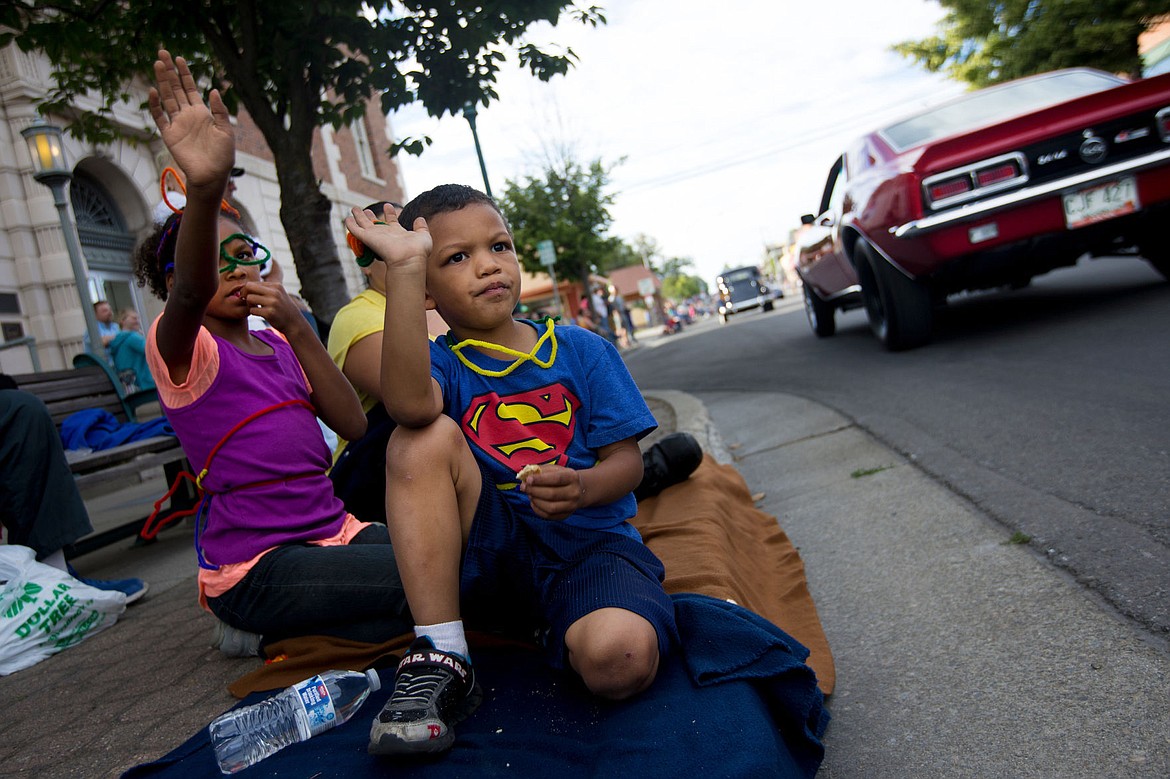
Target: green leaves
(275,57)
(569,205)
(295,67)
(413,146)
(983,43)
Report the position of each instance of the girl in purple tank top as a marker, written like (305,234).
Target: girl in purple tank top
(279,555)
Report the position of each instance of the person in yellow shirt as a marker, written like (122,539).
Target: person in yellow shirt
(355,344)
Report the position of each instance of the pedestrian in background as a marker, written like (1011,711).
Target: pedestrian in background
(128,352)
(107,330)
(626,323)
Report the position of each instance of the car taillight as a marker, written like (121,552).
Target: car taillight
(972,181)
(950,188)
(996,174)
(1162,120)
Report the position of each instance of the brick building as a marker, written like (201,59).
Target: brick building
(115,189)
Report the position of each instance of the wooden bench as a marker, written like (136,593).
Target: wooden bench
(94,386)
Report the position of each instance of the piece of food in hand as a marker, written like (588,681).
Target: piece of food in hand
(526,471)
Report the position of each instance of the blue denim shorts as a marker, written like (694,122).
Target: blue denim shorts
(533,578)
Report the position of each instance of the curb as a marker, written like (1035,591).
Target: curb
(691,417)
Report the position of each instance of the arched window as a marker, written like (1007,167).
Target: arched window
(105,242)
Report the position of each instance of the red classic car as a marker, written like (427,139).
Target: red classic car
(989,190)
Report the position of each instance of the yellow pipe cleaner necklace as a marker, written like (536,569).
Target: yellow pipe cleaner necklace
(521,357)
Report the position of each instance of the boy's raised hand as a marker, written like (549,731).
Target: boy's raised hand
(200,137)
(393,243)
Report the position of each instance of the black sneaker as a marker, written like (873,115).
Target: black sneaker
(433,691)
(668,462)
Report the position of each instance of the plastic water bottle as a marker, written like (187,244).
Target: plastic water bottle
(244,737)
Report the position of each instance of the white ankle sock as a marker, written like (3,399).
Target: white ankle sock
(57,560)
(447,637)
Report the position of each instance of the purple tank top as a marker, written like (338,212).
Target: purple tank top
(276,447)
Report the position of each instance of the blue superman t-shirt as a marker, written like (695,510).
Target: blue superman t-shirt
(559,415)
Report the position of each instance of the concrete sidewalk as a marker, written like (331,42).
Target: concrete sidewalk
(958,654)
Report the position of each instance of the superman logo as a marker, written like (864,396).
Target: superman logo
(528,428)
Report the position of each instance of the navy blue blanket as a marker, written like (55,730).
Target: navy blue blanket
(737,700)
(96,429)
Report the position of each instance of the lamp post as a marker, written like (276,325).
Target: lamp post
(469,115)
(51,168)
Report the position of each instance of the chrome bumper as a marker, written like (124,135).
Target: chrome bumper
(982,208)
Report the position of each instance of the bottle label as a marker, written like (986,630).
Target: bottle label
(315,698)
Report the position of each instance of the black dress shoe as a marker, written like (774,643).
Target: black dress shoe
(668,462)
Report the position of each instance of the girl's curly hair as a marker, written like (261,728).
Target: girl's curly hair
(154,257)
(153,253)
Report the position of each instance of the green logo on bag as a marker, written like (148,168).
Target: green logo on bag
(31,590)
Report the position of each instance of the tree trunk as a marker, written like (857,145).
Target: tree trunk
(307,215)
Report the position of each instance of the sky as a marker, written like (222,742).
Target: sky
(720,121)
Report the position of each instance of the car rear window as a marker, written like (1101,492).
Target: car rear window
(996,104)
(740,275)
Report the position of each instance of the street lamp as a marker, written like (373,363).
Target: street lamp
(51,168)
(469,115)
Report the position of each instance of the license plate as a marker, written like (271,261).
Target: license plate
(1103,201)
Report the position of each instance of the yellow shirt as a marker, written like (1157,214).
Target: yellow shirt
(363,316)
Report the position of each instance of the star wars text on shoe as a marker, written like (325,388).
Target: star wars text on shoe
(433,691)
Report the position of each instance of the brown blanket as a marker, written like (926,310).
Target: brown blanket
(712,540)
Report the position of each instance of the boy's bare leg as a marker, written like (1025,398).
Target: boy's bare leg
(615,651)
(432,488)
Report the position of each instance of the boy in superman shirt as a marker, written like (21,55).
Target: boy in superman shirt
(552,552)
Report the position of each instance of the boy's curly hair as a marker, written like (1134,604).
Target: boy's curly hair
(156,252)
(444,199)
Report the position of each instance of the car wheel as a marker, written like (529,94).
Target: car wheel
(821,316)
(899,309)
(1158,256)
(768,306)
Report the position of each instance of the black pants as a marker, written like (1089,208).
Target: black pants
(40,506)
(351,591)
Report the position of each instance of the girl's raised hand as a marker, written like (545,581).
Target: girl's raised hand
(200,137)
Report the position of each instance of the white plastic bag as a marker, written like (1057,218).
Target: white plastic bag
(44,610)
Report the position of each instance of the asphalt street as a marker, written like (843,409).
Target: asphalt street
(1044,407)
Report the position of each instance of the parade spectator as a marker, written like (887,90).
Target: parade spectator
(471,526)
(279,556)
(40,506)
(625,321)
(107,330)
(355,344)
(128,351)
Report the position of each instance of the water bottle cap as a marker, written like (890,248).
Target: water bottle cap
(375,680)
